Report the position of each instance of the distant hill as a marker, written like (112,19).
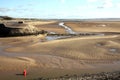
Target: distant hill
(103,19)
(6,18)
(93,19)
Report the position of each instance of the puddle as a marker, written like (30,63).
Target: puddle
(102,25)
(51,32)
(113,50)
(100,34)
(100,44)
(49,38)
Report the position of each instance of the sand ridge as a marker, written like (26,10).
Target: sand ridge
(16,63)
(66,48)
(87,53)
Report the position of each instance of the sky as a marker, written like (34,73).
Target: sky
(60,9)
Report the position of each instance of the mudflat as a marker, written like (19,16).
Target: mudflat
(55,58)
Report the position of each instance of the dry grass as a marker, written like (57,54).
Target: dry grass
(50,26)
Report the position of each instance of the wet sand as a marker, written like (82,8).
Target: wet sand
(94,26)
(55,58)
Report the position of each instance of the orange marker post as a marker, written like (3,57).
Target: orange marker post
(24,72)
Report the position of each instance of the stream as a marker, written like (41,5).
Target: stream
(67,29)
(50,38)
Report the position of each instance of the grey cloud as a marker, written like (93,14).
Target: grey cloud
(100,7)
(4,9)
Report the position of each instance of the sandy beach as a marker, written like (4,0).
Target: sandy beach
(77,55)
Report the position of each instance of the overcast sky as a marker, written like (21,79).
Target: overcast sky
(70,9)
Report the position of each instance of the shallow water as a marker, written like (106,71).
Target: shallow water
(49,38)
(113,50)
(67,29)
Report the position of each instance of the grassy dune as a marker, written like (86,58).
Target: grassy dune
(50,26)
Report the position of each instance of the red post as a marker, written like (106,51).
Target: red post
(24,72)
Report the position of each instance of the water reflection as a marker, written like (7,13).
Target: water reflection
(49,38)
